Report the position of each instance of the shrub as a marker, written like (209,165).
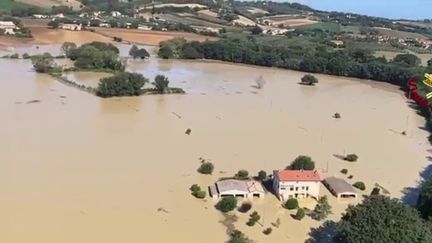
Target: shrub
(262,175)
(245,207)
(117,39)
(302,163)
(291,203)
(26,56)
(344,171)
(309,79)
(206,168)
(267,231)
(14,56)
(227,204)
(337,116)
(350,176)
(200,194)
(424,200)
(188,131)
(195,188)
(243,174)
(351,157)
(254,217)
(360,185)
(300,214)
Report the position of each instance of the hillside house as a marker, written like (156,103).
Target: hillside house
(73,27)
(8,27)
(296,184)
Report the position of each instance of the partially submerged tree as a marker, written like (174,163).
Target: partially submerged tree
(360,185)
(351,157)
(136,52)
(227,204)
(206,168)
(43,63)
(253,218)
(161,83)
(121,84)
(322,209)
(238,237)
(381,219)
(262,175)
(309,79)
(242,174)
(67,48)
(302,162)
(260,82)
(291,203)
(300,214)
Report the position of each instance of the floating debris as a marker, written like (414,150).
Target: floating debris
(62,96)
(33,101)
(177,115)
(163,210)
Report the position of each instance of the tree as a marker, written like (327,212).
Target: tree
(238,237)
(309,79)
(67,48)
(424,201)
(360,185)
(291,203)
(344,171)
(243,174)
(165,52)
(136,52)
(190,52)
(253,218)
(133,50)
(375,191)
(262,175)
(302,163)
(409,60)
(206,168)
(245,207)
(227,204)
(43,63)
(161,83)
(256,30)
(322,209)
(381,219)
(121,84)
(300,214)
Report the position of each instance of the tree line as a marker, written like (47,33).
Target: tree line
(358,63)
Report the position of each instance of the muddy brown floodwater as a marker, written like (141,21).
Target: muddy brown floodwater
(77,168)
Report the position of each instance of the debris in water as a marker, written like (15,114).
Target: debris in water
(33,101)
(162,210)
(63,96)
(177,115)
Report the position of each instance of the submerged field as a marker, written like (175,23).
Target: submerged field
(77,168)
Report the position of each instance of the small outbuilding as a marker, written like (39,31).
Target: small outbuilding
(339,187)
(236,188)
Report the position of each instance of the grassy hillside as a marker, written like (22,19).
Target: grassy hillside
(7,5)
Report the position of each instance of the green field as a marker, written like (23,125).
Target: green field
(325,26)
(7,5)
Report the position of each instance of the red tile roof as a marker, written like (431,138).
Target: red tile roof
(298,175)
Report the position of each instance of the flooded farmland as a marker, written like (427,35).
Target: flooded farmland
(78,168)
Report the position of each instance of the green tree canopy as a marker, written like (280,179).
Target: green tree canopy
(381,219)
(67,48)
(121,84)
(43,63)
(161,83)
(309,79)
(227,204)
(409,60)
(424,201)
(302,162)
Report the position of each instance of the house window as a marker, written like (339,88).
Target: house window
(302,187)
(292,188)
(296,188)
(307,188)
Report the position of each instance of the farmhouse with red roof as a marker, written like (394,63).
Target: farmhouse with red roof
(296,184)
